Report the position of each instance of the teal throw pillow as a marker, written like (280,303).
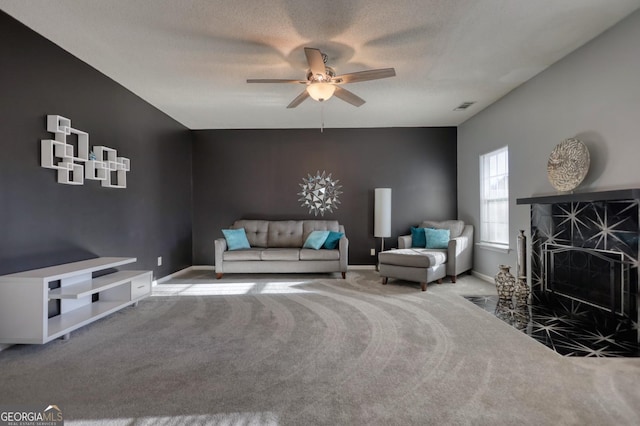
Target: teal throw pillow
(418,238)
(316,239)
(236,239)
(436,238)
(333,240)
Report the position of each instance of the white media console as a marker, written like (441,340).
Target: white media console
(25,297)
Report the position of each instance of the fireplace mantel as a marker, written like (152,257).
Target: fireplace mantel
(618,194)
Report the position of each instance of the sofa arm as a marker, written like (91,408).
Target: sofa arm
(220,247)
(404,241)
(460,252)
(343,246)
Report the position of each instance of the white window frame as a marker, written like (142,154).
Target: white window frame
(494,190)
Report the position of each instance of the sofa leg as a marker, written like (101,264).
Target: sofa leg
(453,279)
(440,281)
(384,280)
(423,285)
(344,275)
(218,276)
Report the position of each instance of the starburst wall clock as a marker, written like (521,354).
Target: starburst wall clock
(320,193)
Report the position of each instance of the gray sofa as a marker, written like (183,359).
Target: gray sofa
(277,246)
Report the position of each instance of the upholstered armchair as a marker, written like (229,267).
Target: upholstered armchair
(459,252)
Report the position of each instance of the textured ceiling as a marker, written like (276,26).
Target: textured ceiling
(191,58)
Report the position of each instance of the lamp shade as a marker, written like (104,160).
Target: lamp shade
(382,216)
(321,91)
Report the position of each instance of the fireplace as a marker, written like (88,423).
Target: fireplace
(597,277)
(584,247)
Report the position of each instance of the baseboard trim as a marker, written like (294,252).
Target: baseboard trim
(213,268)
(361,267)
(483,277)
(203,268)
(187,269)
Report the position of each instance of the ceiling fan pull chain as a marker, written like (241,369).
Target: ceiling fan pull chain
(321,117)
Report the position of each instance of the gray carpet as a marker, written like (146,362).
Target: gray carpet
(305,350)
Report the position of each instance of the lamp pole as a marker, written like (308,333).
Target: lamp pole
(382,215)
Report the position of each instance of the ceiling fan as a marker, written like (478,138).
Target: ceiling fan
(322,82)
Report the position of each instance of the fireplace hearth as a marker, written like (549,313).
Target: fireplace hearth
(568,327)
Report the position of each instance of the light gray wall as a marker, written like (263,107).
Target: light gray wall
(592,94)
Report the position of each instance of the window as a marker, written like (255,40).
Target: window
(494,198)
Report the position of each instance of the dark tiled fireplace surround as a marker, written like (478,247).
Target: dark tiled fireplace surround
(584,247)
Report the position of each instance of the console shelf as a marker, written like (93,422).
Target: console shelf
(93,286)
(79,298)
(62,324)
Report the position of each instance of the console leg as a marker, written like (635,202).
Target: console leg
(423,285)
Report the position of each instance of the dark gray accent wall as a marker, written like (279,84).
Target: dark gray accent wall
(256,174)
(43,222)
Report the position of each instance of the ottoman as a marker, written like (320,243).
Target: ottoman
(413,264)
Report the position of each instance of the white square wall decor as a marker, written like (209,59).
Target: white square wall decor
(74,161)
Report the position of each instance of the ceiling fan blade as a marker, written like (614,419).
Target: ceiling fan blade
(274,80)
(356,77)
(349,97)
(314,58)
(298,100)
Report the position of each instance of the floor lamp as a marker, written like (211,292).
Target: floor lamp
(382,216)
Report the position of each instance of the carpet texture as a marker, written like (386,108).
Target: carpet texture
(307,350)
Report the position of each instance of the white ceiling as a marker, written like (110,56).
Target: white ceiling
(190,58)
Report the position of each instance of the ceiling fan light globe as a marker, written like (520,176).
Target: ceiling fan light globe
(321,91)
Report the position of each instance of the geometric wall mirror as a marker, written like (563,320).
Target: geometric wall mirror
(320,193)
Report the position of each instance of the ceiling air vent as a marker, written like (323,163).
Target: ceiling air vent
(463,106)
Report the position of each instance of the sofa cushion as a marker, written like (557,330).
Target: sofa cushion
(256,231)
(333,240)
(280,254)
(318,225)
(310,254)
(436,238)
(415,257)
(285,233)
(455,227)
(236,239)
(246,254)
(316,240)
